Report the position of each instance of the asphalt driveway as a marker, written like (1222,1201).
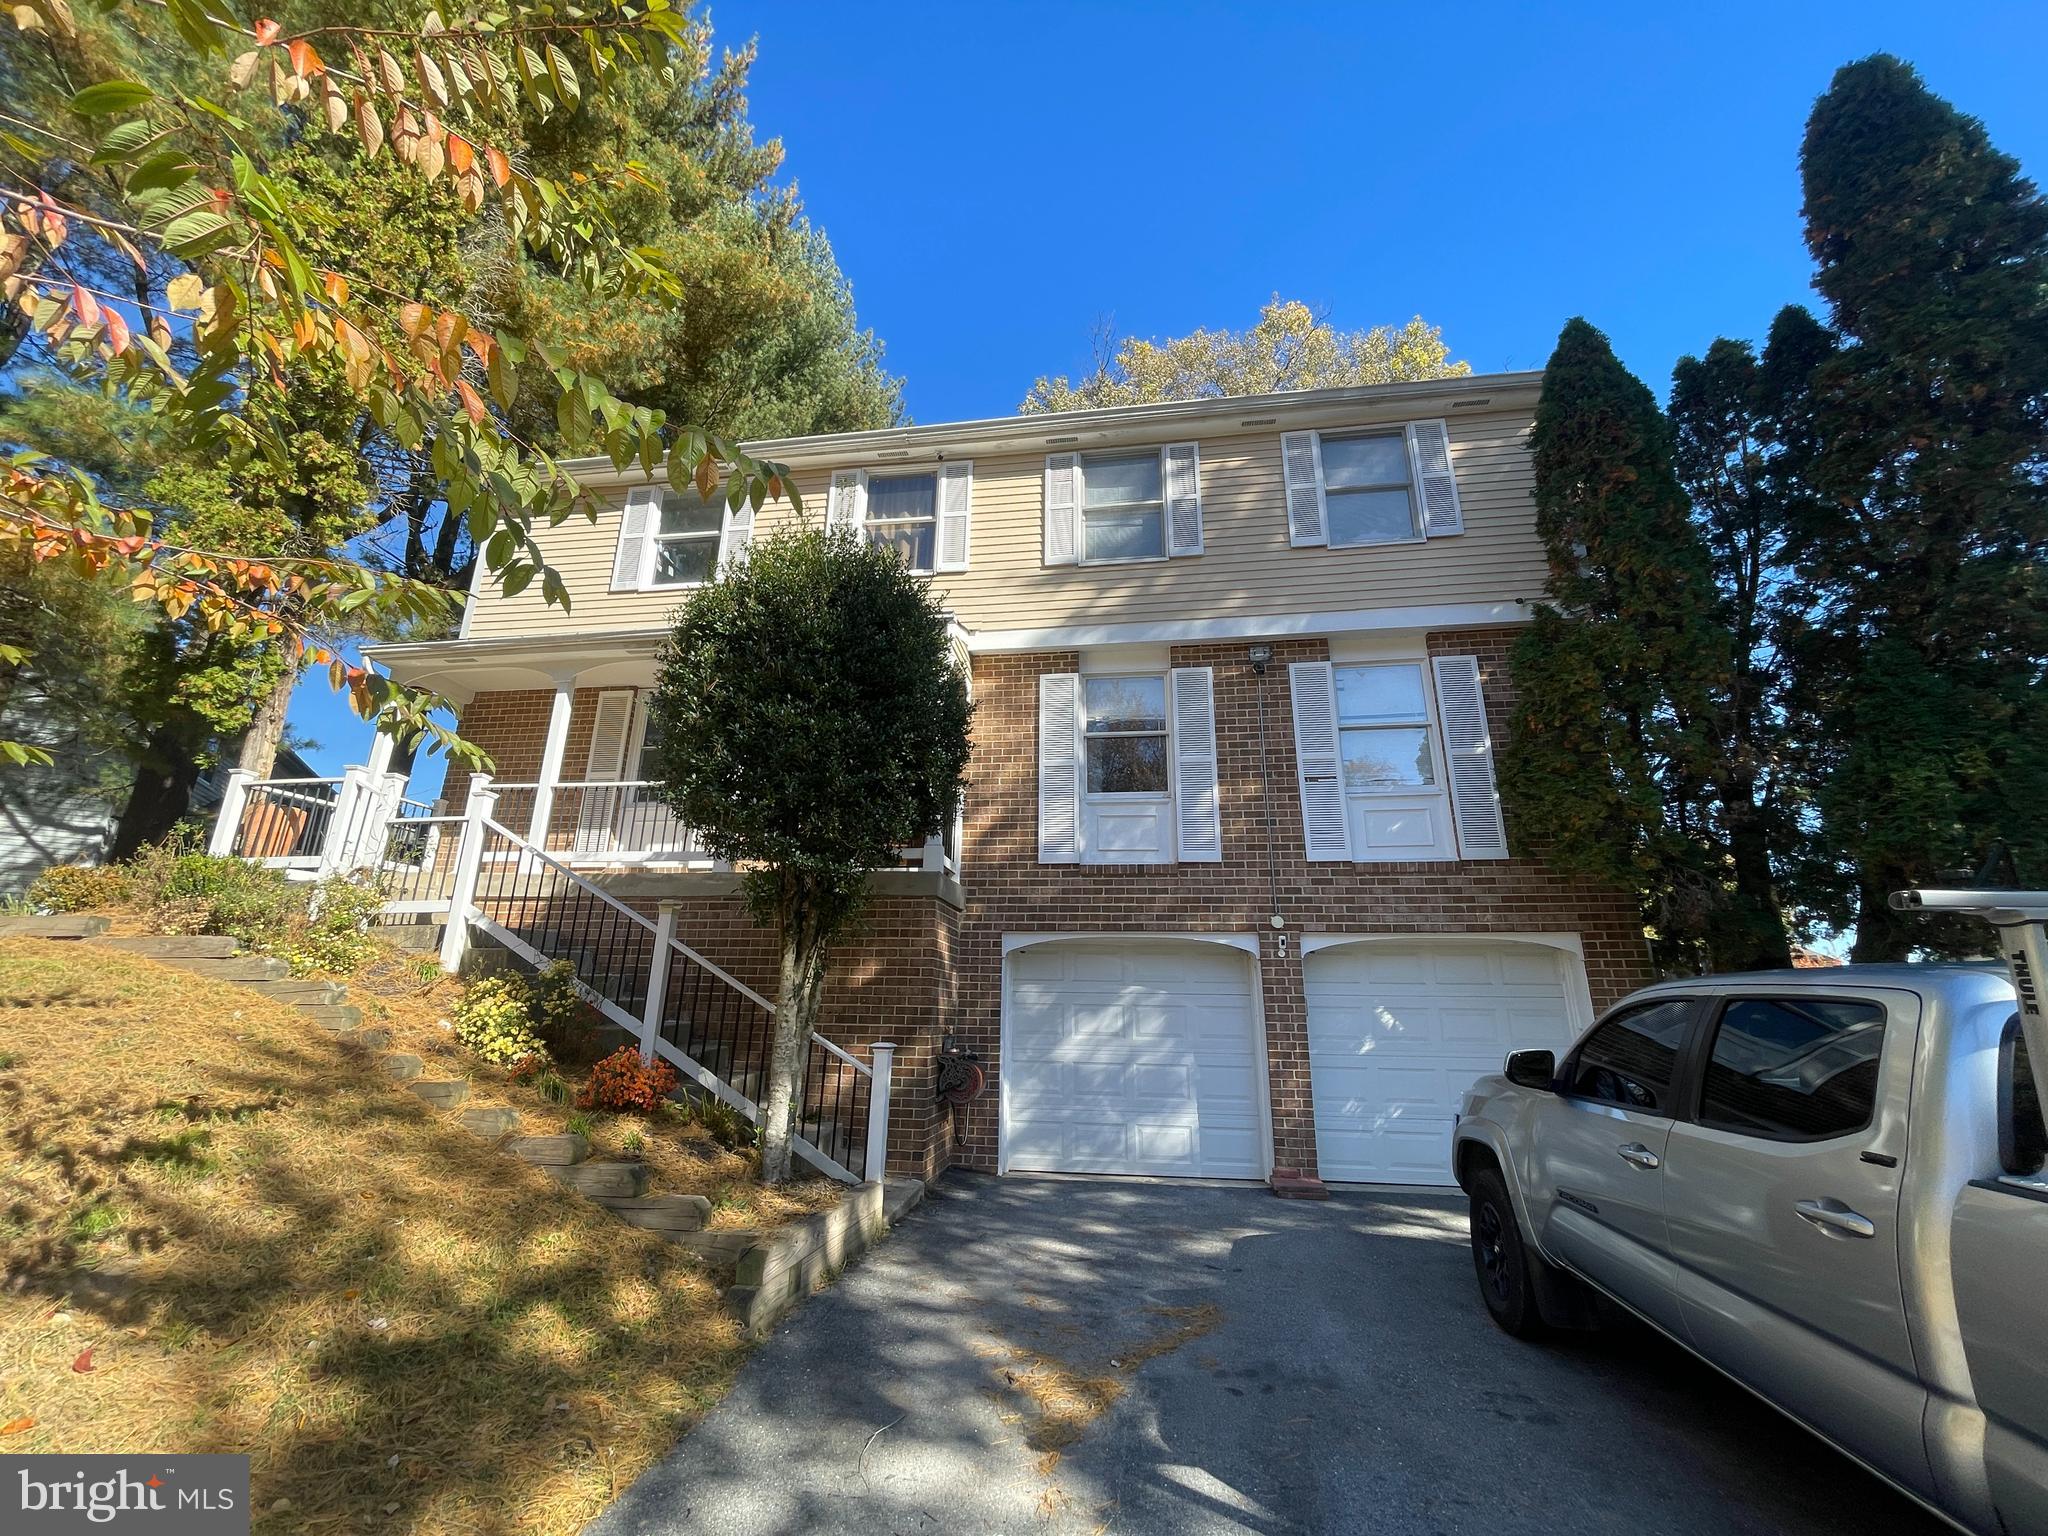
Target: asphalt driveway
(1064,1355)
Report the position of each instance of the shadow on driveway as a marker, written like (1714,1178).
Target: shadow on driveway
(1227,1362)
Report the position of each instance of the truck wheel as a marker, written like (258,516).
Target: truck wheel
(1500,1260)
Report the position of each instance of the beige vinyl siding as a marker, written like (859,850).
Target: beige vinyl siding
(1248,567)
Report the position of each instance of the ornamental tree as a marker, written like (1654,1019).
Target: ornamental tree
(812,719)
(156,246)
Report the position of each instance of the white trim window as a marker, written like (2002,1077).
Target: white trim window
(1123,723)
(1122,507)
(1127,770)
(672,540)
(1394,761)
(1383,729)
(1375,485)
(924,515)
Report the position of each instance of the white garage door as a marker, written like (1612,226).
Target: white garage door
(1397,1033)
(1132,1058)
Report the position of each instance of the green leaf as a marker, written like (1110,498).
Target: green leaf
(160,173)
(517,579)
(195,234)
(111,96)
(126,141)
(196,27)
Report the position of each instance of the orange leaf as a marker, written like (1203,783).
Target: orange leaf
(412,319)
(86,306)
(117,332)
(266,32)
(304,60)
(84,1361)
(472,402)
(17,1426)
(480,343)
(501,168)
(460,155)
(336,286)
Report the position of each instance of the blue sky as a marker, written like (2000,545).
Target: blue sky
(996,178)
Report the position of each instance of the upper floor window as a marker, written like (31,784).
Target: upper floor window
(1107,508)
(1126,734)
(1386,485)
(903,515)
(924,515)
(670,538)
(687,531)
(1383,729)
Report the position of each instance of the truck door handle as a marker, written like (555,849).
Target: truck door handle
(1635,1152)
(1830,1215)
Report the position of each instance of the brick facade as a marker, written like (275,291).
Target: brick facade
(923,966)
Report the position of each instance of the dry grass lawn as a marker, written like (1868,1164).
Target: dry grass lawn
(222,1231)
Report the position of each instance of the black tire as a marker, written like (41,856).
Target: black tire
(1500,1260)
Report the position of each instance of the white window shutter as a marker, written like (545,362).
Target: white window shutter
(636,527)
(1319,763)
(597,809)
(1062,509)
(956,512)
(1059,768)
(1301,461)
(1183,498)
(1197,802)
(1436,488)
(848,506)
(737,535)
(1468,750)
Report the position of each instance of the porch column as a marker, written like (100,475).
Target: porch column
(551,757)
(382,745)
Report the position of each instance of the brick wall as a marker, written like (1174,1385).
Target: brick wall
(920,967)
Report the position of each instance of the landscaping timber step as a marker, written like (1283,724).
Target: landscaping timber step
(549,1151)
(333,1017)
(66,926)
(659,1213)
(182,946)
(601,1179)
(370,1038)
(489,1123)
(442,1093)
(234,968)
(415,938)
(301,993)
(400,1066)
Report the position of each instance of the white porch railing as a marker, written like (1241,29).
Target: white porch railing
(601,824)
(483,877)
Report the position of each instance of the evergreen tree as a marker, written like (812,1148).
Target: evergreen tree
(1924,551)
(1743,447)
(1609,764)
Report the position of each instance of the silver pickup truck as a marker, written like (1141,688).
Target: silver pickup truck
(1828,1184)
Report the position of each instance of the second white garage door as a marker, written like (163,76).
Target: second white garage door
(1132,1058)
(1397,1033)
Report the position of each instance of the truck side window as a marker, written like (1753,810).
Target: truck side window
(2022,1136)
(1793,1068)
(1630,1060)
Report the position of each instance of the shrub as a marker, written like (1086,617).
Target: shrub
(562,1016)
(334,933)
(623,1081)
(724,1124)
(181,890)
(78,888)
(495,1020)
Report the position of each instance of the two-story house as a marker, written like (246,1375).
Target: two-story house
(1232,892)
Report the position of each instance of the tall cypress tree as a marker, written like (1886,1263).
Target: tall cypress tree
(1744,449)
(1925,551)
(1609,765)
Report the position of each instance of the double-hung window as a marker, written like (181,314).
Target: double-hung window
(1383,729)
(903,515)
(1374,485)
(1123,507)
(687,531)
(1125,720)
(1366,486)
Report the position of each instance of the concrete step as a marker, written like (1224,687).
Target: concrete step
(69,925)
(489,1123)
(442,1093)
(236,968)
(333,1017)
(549,1151)
(400,1066)
(189,946)
(301,993)
(416,938)
(659,1213)
(598,1180)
